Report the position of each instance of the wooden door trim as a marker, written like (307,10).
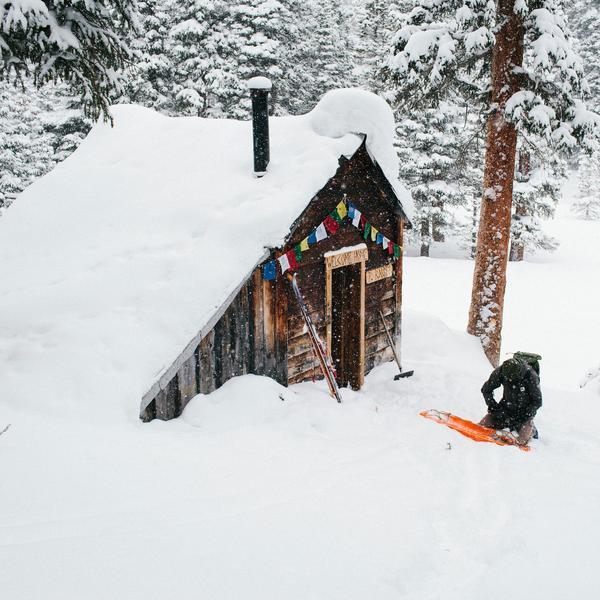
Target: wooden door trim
(335,260)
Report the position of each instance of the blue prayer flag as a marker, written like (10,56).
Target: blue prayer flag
(269,270)
(351,209)
(379,239)
(312,238)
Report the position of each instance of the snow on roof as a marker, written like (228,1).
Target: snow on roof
(112,262)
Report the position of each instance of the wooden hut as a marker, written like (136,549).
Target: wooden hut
(346,250)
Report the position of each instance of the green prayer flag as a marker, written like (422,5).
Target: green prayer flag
(396,251)
(367,231)
(336,215)
(298,252)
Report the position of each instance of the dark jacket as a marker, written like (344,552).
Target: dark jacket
(521,398)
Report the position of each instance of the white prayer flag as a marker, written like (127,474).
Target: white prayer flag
(284,263)
(356,219)
(385,243)
(321,232)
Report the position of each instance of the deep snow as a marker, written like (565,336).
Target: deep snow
(249,495)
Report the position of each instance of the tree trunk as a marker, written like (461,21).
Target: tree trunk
(425,237)
(437,223)
(489,278)
(517,248)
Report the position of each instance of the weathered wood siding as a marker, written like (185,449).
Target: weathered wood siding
(359,182)
(250,337)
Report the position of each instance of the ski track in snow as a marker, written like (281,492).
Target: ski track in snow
(248,496)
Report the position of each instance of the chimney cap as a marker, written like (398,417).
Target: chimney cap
(259,83)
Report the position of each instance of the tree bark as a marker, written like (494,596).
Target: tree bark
(425,237)
(489,278)
(437,223)
(517,248)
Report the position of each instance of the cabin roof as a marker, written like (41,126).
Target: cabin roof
(114,260)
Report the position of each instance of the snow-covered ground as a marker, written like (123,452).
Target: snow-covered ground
(265,492)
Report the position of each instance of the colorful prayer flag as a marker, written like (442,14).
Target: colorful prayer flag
(379,239)
(385,243)
(330,224)
(374,233)
(351,209)
(390,248)
(284,263)
(312,238)
(363,222)
(269,270)
(320,232)
(396,251)
(304,244)
(341,209)
(298,252)
(356,217)
(367,231)
(291,256)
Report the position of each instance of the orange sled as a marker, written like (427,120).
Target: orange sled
(473,430)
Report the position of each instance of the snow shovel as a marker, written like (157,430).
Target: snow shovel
(391,344)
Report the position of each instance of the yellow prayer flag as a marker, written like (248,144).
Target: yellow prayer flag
(341,208)
(304,244)
(374,233)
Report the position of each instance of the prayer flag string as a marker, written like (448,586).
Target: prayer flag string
(288,261)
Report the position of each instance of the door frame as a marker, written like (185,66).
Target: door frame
(343,258)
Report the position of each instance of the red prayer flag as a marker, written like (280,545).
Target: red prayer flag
(391,248)
(331,224)
(291,256)
(363,222)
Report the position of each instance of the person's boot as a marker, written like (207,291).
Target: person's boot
(525,433)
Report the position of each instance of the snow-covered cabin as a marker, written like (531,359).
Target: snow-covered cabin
(149,265)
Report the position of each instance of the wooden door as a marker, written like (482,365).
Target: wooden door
(345,313)
(346,347)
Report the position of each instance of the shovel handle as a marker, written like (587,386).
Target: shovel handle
(390,340)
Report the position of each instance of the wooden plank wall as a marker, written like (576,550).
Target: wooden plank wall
(359,176)
(250,337)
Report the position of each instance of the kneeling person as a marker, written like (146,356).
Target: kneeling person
(521,399)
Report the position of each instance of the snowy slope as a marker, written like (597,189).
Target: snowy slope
(115,260)
(251,496)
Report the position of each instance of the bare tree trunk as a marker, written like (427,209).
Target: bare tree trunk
(489,278)
(474,222)
(437,224)
(425,237)
(517,248)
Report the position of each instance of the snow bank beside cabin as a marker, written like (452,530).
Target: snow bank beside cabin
(112,263)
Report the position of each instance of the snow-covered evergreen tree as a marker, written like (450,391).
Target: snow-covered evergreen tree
(516,58)
(149,76)
(38,128)
(77,42)
(587,205)
(430,147)
(375,22)
(584,16)
(200,53)
(538,182)
(25,148)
